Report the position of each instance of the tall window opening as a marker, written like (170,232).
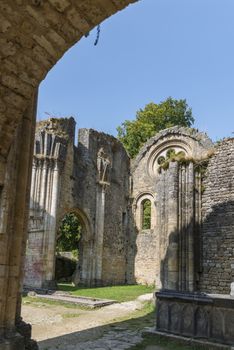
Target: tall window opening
(146,214)
(67,247)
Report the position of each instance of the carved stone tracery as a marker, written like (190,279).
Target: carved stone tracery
(103,166)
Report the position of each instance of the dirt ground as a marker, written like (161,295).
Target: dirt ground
(53,325)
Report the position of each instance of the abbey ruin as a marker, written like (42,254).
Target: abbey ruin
(186,245)
(190,252)
(183,247)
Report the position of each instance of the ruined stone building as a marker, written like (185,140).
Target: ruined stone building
(91,180)
(165,218)
(191,250)
(175,174)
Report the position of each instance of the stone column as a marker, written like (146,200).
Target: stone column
(14,210)
(190,228)
(99,231)
(52,138)
(172,228)
(186,227)
(52,229)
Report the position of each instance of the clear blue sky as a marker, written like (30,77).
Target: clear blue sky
(147,52)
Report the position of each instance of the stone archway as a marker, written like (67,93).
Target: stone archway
(34,36)
(85,272)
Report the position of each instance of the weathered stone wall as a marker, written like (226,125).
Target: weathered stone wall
(50,195)
(164,253)
(104,197)
(197,316)
(15,178)
(218,221)
(95,182)
(90,180)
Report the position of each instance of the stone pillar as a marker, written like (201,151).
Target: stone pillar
(167,224)
(172,228)
(51,144)
(186,227)
(99,231)
(190,228)
(52,228)
(14,217)
(177,210)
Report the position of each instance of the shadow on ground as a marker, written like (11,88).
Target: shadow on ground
(126,332)
(119,335)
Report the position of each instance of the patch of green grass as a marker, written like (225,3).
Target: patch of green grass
(138,319)
(167,344)
(118,293)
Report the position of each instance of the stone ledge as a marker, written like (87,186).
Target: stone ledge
(187,341)
(196,315)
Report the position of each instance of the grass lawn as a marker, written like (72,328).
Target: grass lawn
(118,293)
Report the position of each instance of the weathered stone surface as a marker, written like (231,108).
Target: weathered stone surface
(218,221)
(41,31)
(94,183)
(90,180)
(232,289)
(167,248)
(195,315)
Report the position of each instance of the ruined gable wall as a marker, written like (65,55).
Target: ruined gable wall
(68,178)
(218,221)
(104,203)
(175,207)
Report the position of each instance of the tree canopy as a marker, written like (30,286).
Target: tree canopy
(152,119)
(69,233)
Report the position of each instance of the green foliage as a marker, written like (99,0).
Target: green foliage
(146,224)
(152,119)
(172,156)
(69,234)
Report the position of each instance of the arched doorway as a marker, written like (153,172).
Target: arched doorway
(74,259)
(67,247)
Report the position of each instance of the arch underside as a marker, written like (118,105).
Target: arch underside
(34,36)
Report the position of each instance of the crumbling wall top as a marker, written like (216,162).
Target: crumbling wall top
(189,135)
(63,127)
